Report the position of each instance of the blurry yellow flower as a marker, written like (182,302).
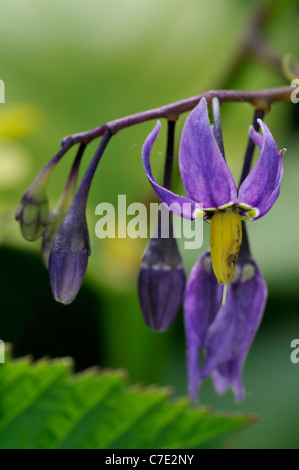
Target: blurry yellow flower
(120,261)
(18,120)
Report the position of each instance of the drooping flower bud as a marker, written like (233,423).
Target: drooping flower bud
(61,209)
(71,248)
(161,281)
(69,256)
(33,209)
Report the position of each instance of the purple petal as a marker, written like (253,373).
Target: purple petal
(231,333)
(206,177)
(220,381)
(182,206)
(267,204)
(257,138)
(227,375)
(261,187)
(202,300)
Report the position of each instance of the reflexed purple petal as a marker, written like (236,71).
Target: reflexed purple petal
(263,209)
(202,300)
(182,206)
(261,187)
(206,177)
(257,138)
(231,333)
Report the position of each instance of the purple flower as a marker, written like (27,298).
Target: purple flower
(161,280)
(224,333)
(208,180)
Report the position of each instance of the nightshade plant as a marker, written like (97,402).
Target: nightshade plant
(208,180)
(224,330)
(225,295)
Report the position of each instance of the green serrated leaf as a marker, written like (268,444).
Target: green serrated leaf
(42,405)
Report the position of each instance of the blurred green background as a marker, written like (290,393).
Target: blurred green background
(69,66)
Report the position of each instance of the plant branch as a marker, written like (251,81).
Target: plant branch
(261,99)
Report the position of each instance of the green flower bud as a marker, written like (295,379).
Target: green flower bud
(33,210)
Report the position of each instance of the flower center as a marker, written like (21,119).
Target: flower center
(225,242)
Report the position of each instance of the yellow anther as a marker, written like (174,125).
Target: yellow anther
(198,214)
(225,242)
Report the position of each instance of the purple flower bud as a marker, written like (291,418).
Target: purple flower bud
(70,250)
(161,281)
(59,212)
(69,256)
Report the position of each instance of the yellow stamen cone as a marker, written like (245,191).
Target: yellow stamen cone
(225,242)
